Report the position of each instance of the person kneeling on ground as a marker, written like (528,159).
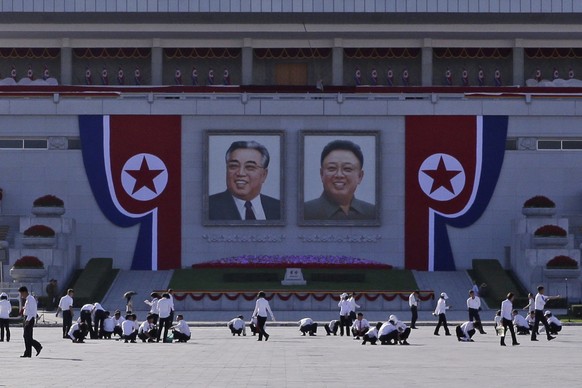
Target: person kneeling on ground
(147,330)
(371,335)
(531,319)
(78,332)
(181,330)
(388,333)
(331,327)
(553,322)
(108,326)
(466,331)
(306,325)
(237,326)
(520,323)
(360,326)
(128,328)
(402,330)
(118,320)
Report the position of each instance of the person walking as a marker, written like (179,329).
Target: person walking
(345,309)
(540,303)
(441,312)
(507,320)
(261,309)
(413,301)
(29,313)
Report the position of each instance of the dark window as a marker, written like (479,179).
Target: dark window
(572,145)
(74,143)
(11,143)
(36,144)
(549,145)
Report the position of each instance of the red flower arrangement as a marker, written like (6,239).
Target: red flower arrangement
(39,231)
(28,262)
(302,261)
(564,262)
(539,201)
(48,201)
(550,231)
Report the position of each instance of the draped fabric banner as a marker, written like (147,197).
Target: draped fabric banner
(300,295)
(452,167)
(133,164)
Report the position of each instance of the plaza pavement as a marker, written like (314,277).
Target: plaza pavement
(213,358)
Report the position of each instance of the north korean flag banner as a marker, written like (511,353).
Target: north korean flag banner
(133,164)
(452,167)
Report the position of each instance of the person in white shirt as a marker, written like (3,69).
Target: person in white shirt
(402,330)
(353,306)
(99,319)
(66,307)
(237,326)
(360,326)
(181,330)
(531,303)
(306,325)
(117,321)
(540,303)
(531,319)
(553,322)
(165,316)
(108,325)
(441,312)
(331,327)
(520,323)
(147,330)
(507,320)
(261,309)
(154,312)
(85,313)
(474,306)
(388,333)
(413,301)
(128,328)
(29,312)
(372,335)
(5,309)
(77,332)
(345,308)
(466,331)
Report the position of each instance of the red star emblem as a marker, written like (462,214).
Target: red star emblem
(441,177)
(144,177)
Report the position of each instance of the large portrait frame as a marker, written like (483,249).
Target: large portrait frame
(219,208)
(315,206)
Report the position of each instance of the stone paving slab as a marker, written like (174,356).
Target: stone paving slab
(213,358)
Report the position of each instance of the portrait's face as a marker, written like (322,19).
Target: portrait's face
(245,173)
(341,174)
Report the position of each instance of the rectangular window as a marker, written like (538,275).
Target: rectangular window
(549,145)
(74,143)
(11,143)
(572,145)
(37,144)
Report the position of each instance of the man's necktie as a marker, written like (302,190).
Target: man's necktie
(249,214)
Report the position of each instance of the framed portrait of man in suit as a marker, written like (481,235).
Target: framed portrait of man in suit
(243,184)
(339,178)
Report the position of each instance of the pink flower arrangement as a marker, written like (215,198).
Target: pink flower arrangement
(301,261)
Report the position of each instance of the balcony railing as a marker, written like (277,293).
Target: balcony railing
(294,6)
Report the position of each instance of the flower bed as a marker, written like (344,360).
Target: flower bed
(303,261)
(550,231)
(28,262)
(39,231)
(562,262)
(539,201)
(48,201)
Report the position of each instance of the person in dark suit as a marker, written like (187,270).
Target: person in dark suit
(341,172)
(247,167)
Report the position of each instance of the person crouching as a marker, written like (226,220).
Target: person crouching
(78,332)
(237,326)
(147,330)
(371,335)
(306,325)
(181,330)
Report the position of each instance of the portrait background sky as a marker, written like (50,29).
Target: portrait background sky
(312,147)
(217,146)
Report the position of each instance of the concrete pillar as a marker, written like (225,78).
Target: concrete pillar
(157,65)
(337,72)
(518,66)
(66,66)
(426,75)
(247,66)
